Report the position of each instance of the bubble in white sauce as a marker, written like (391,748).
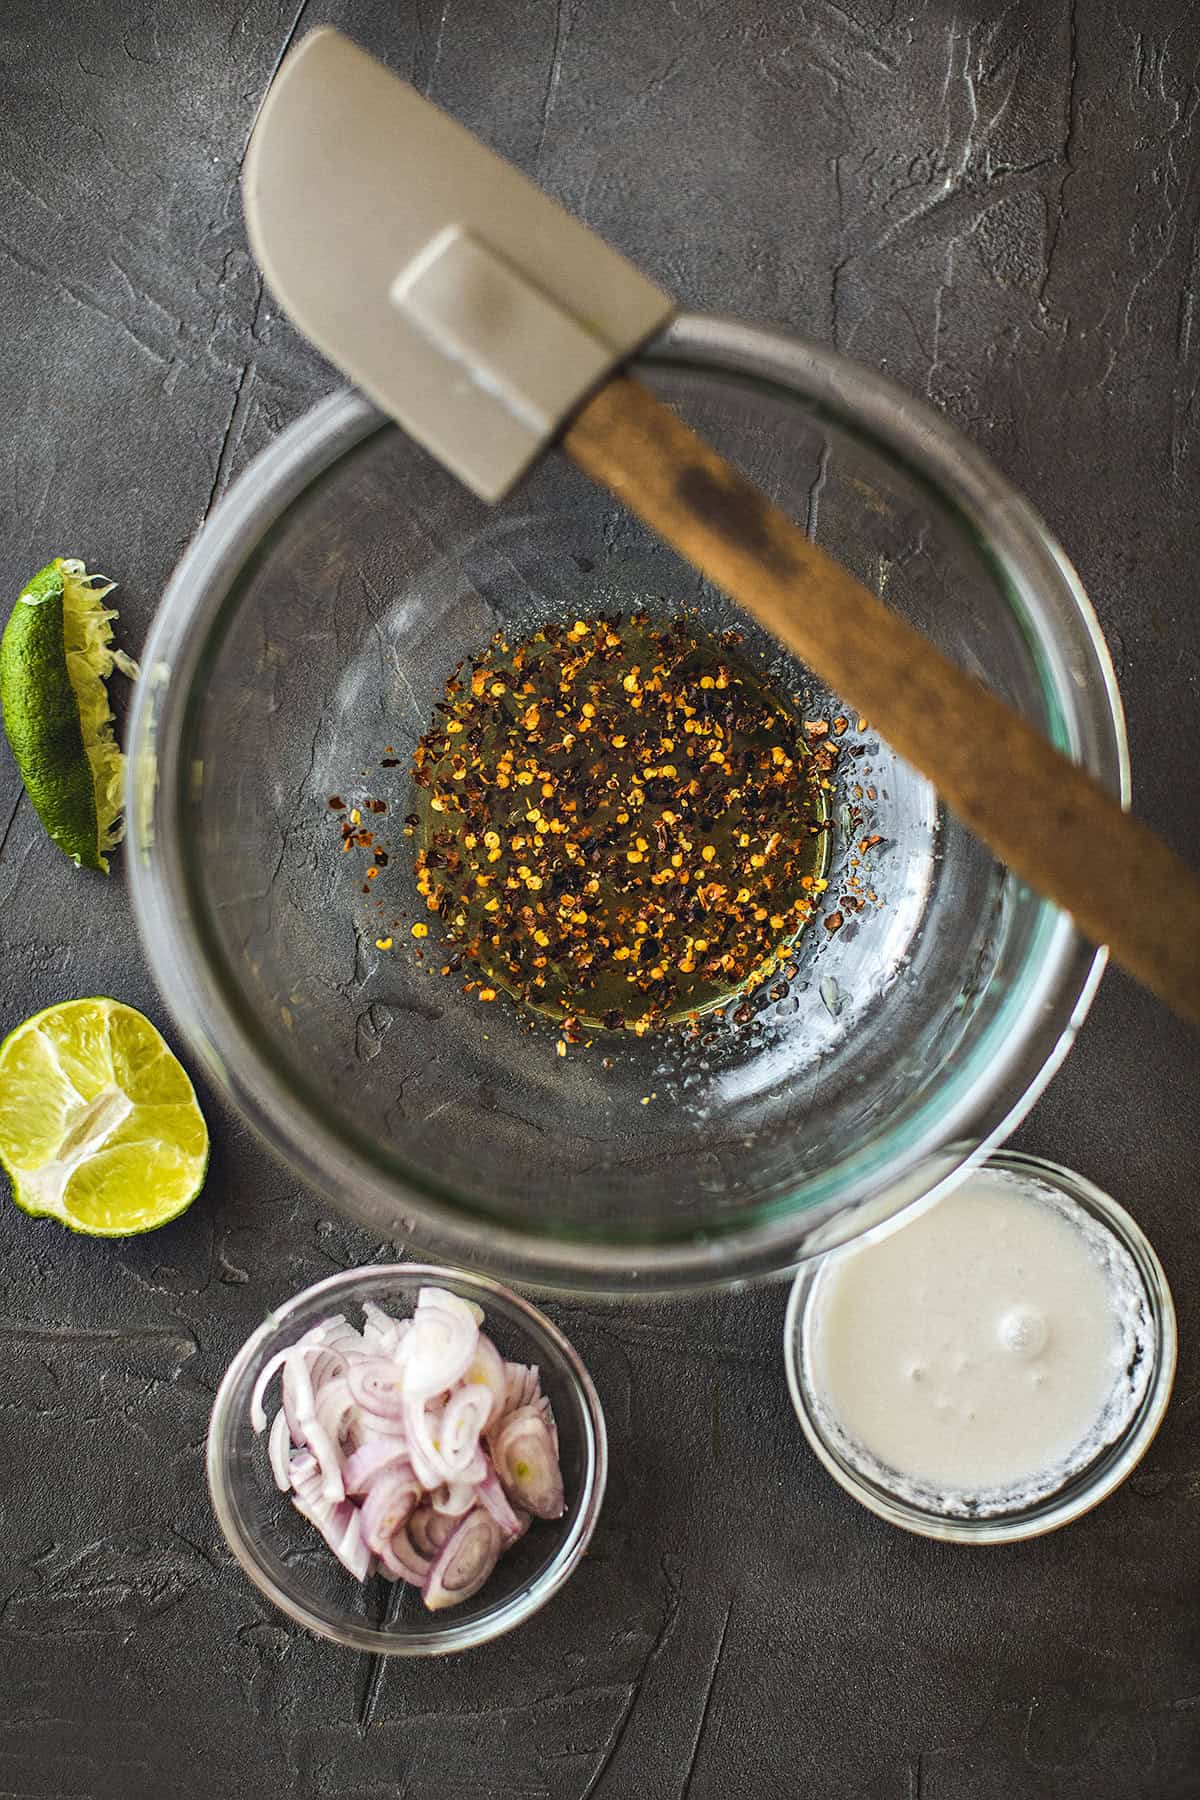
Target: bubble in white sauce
(1024,1331)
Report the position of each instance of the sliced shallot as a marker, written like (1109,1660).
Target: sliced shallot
(340,1527)
(421,1426)
(377,1383)
(381,1333)
(454,1498)
(280,1360)
(493,1496)
(391,1497)
(463,1420)
(279,1449)
(523,1385)
(403,1561)
(489,1369)
(527,1463)
(326,1451)
(464,1562)
(333,1404)
(429,1530)
(440,1345)
(305,1473)
(542,1405)
(363,1466)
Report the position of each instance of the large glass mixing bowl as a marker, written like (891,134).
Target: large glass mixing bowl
(302,645)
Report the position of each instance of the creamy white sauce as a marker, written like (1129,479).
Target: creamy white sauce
(978,1356)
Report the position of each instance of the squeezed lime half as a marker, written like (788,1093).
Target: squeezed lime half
(55,657)
(99,1124)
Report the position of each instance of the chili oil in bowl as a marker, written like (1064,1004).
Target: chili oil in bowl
(801,1080)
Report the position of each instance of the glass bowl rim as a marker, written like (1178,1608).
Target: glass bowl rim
(1114,1464)
(976,1105)
(224,1422)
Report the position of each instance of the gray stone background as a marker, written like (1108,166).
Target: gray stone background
(1001,207)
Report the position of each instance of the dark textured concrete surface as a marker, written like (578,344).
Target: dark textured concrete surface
(1001,206)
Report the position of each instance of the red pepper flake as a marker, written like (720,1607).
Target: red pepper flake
(833,921)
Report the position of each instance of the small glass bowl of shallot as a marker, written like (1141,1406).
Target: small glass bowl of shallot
(406,1459)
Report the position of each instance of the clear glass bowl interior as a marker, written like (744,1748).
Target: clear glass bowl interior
(1109,1468)
(282,1553)
(310,633)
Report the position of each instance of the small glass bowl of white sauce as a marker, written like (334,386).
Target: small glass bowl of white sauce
(991,1366)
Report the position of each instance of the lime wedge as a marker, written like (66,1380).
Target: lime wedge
(99,1125)
(55,658)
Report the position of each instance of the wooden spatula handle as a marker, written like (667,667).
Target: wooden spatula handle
(1041,813)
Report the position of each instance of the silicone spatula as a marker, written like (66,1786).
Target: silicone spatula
(491,325)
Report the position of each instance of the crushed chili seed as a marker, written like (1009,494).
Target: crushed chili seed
(336,803)
(619,823)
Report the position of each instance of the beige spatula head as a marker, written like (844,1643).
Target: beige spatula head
(455,293)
